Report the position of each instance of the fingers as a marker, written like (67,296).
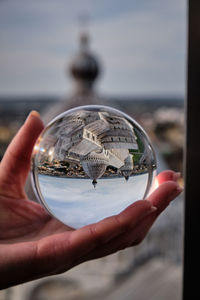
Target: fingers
(73,246)
(110,227)
(167,175)
(164,194)
(107,236)
(16,161)
(161,198)
(94,240)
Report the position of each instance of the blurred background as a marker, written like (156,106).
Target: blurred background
(127,54)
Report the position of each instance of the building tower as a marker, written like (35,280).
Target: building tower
(84,71)
(84,67)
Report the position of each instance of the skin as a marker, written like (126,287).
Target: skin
(33,244)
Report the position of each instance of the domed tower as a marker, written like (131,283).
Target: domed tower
(84,68)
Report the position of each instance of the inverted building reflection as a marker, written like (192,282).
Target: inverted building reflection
(92,144)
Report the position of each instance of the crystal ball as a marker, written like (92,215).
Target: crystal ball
(91,162)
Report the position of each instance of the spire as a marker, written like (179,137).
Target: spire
(94,182)
(126,177)
(84,41)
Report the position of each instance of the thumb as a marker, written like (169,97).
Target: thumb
(15,164)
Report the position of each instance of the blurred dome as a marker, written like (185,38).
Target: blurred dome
(84,68)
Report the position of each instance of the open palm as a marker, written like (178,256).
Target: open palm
(33,244)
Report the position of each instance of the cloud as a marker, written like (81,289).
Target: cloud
(142,44)
(143,52)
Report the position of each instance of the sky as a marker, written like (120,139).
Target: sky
(76,203)
(141,45)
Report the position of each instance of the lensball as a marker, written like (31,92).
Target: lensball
(91,162)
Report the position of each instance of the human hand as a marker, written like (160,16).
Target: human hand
(33,244)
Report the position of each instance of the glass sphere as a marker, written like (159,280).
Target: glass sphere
(91,162)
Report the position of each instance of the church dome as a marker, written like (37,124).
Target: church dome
(127,168)
(94,165)
(84,67)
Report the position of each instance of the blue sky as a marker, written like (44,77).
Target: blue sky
(142,45)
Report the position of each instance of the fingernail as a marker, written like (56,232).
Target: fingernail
(33,113)
(176,176)
(177,191)
(151,210)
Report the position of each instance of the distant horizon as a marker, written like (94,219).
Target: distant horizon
(119,97)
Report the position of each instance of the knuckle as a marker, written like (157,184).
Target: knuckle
(97,240)
(124,226)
